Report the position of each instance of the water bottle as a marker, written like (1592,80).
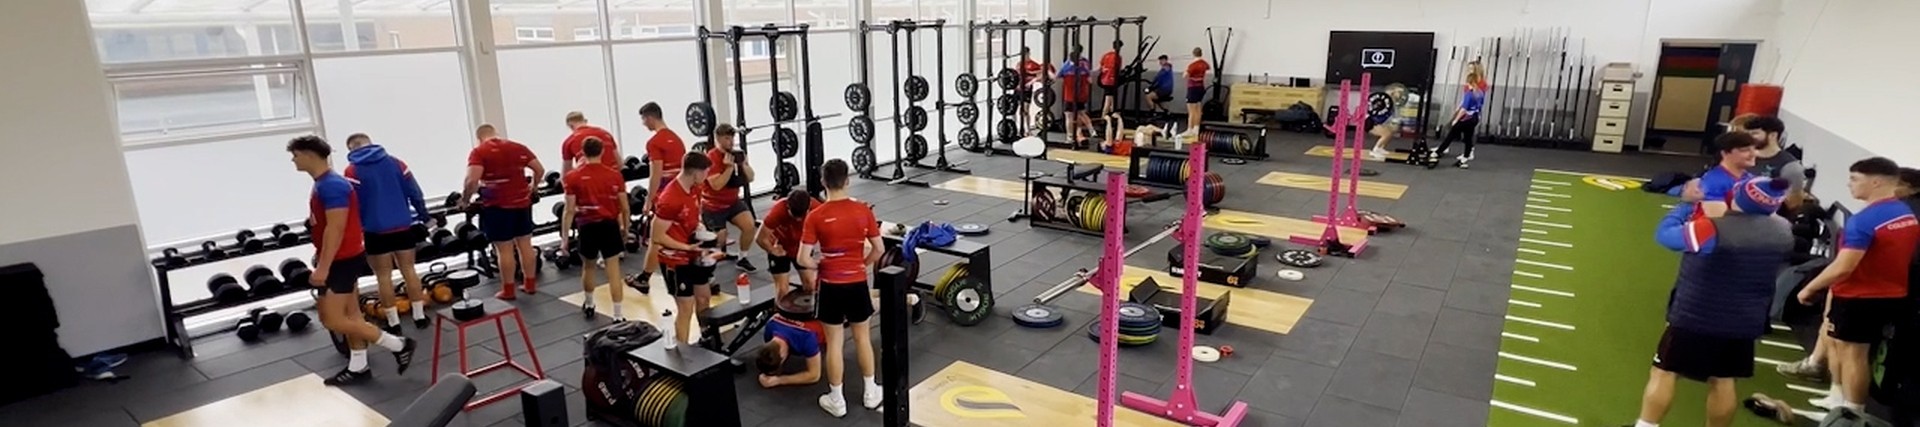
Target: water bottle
(743,288)
(666,333)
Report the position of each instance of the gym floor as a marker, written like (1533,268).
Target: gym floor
(1408,334)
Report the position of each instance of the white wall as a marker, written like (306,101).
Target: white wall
(62,174)
(1841,62)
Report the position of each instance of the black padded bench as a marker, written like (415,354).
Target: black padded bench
(751,316)
(439,404)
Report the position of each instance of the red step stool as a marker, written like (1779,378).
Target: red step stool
(497,312)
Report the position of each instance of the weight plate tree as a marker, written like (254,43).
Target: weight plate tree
(912,92)
(791,113)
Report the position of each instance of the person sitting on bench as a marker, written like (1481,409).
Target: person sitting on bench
(785,338)
(1162,89)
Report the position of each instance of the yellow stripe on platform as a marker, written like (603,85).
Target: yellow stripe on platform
(1327,151)
(1253,308)
(300,402)
(1277,228)
(1075,156)
(1385,190)
(967,395)
(990,187)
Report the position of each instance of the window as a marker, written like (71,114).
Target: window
(888,10)
(533,34)
(753,13)
(171,105)
(138,31)
(1023,9)
(378,24)
(645,19)
(586,34)
(940,9)
(824,14)
(992,10)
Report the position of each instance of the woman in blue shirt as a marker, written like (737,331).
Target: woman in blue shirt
(1465,119)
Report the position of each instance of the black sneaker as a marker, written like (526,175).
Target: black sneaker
(587,310)
(639,282)
(404,357)
(391,329)
(745,265)
(422,323)
(918,312)
(348,377)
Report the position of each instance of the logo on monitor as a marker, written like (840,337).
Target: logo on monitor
(1376,58)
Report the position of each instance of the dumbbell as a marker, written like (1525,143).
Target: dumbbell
(247,330)
(226,289)
(247,243)
(469,235)
(298,321)
(261,282)
(213,251)
(559,208)
(553,179)
(633,168)
(443,238)
(557,257)
(285,235)
(294,272)
(170,258)
(637,199)
(268,321)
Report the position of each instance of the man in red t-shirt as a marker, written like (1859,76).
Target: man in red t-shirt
(1109,77)
(780,237)
(1869,279)
(570,155)
(1196,91)
(497,172)
(664,153)
(1031,72)
(597,203)
(845,238)
(339,261)
(721,203)
(676,232)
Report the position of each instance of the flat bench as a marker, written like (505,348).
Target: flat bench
(752,317)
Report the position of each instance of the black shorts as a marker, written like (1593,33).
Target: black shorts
(716,220)
(843,303)
(1076,106)
(502,224)
(394,241)
(1865,320)
(1110,90)
(601,240)
(343,277)
(1163,95)
(1196,94)
(782,264)
(1699,357)
(682,280)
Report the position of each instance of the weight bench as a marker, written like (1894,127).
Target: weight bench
(439,404)
(752,317)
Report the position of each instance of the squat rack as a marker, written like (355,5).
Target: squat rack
(784,105)
(895,30)
(1009,125)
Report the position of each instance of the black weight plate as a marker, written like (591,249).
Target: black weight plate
(1009,131)
(863,161)
(1233,161)
(786,175)
(786,143)
(1298,258)
(916,118)
(861,129)
(966,85)
(1043,97)
(916,87)
(915,147)
(1037,316)
(1174,255)
(1008,79)
(968,113)
(1007,104)
(797,306)
(700,119)
(784,106)
(1135,315)
(857,97)
(969,139)
(969,301)
(1379,106)
(970,229)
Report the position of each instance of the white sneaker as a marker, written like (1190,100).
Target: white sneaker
(871,398)
(1377,154)
(833,405)
(1828,403)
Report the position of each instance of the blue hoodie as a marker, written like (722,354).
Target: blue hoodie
(390,199)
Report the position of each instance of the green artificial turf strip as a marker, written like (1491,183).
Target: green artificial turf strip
(1620,280)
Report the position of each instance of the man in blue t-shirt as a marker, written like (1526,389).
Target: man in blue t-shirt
(786,338)
(1736,158)
(1162,90)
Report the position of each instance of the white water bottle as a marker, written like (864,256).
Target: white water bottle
(743,288)
(666,333)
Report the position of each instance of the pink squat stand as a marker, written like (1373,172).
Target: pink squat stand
(1350,118)
(1107,278)
(1180,407)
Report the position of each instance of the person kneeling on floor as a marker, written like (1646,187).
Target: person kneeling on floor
(1721,297)
(787,338)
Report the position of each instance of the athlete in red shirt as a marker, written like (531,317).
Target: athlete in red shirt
(780,237)
(844,236)
(497,171)
(676,223)
(721,199)
(664,153)
(1869,278)
(339,261)
(597,203)
(1196,91)
(1109,77)
(570,155)
(1031,73)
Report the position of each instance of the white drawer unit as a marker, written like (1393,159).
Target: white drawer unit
(1612,108)
(1616,107)
(1608,143)
(1616,91)
(1610,126)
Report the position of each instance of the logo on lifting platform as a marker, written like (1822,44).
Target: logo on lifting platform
(971,401)
(1614,183)
(1376,58)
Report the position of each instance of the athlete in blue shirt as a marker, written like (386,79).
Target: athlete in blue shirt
(1465,119)
(789,338)
(1162,89)
(1736,159)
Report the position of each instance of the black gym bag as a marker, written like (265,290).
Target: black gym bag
(609,380)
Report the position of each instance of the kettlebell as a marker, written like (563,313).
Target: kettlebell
(298,321)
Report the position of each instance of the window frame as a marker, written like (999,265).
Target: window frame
(296,69)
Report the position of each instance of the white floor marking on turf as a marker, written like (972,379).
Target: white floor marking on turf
(1533,231)
(1532,251)
(1513,380)
(1519,337)
(1535,214)
(1530,199)
(1540,322)
(1666,206)
(1550,182)
(1779,327)
(1544,264)
(1544,223)
(1785,345)
(1816,416)
(1808,390)
(1546,363)
(1771,361)
(1543,291)
(1547,242)
(1528,304)
(1549,208)
(1584,174)
(1540,187)
(1536,412)
(1538,193)
(1528,274)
